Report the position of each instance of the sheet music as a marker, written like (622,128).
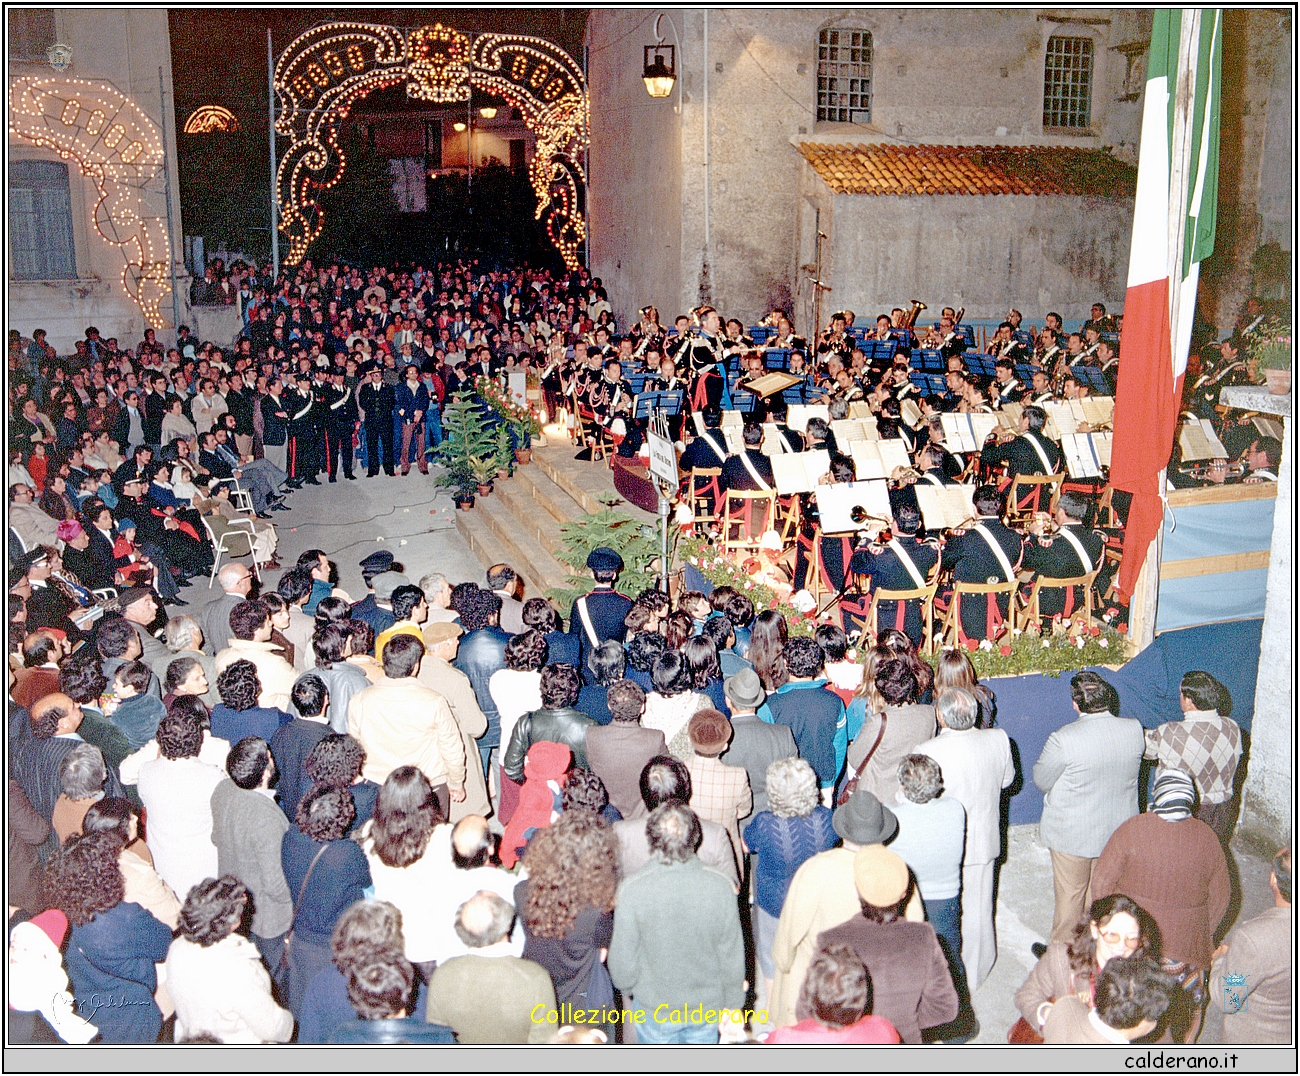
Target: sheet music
(911,413)
(798,472)
(835,504)
(877,459)
(860,409)
(848,430)
(733,418)
(735,438)
(1268,427)
(1086,453)
(1098,410)
(944,507)
(1198,441)
(967,432)
(1061,420)
(771,382)
(799,414)
(1009,416)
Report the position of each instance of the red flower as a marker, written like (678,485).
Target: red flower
(1004,650)
(772,604)
(972,645)
(1094,631)
(1122,629)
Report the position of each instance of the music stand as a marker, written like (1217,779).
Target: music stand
(670,403)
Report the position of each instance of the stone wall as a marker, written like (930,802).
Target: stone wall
(939,76)
(986,253)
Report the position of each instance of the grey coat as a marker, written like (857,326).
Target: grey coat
(247,828)
(1088,773)
(215,622)
(755,745)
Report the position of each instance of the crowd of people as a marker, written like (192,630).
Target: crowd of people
(455,813)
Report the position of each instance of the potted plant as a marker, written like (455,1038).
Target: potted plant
(1270,346)
(468,454)
(464,496)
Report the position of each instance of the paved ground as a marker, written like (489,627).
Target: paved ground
(415,520)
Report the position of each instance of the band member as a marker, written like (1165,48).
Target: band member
(785,337)
(751,470)
(1032,452)
(707,363)
(1006,384)
(1004,345)
(903,561)
(736,341)
(987,552)
(1063,548)
(305,422)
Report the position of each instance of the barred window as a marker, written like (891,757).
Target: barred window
(40,221)
(844,76)
(1067,83)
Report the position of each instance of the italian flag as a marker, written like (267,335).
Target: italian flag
(1173,230)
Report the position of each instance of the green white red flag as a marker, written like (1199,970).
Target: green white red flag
(1173,230)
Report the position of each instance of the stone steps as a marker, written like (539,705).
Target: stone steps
(539,505)
(586,483)
(494,532)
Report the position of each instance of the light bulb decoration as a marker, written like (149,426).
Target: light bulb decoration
(208,118)
(118,147)
(325,71)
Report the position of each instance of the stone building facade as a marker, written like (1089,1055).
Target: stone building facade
(64,262)
(717,201)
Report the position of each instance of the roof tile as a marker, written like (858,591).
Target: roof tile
(935,169)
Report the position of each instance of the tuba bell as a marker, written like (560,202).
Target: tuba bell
(909,319)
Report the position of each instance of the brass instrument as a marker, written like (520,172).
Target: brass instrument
(1201,471)
(909,319)
(956,320)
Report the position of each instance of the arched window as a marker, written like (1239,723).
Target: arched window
(1067,83)
(844,76)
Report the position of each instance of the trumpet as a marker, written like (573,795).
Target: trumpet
(1201,471)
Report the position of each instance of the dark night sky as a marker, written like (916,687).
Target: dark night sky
(219,57)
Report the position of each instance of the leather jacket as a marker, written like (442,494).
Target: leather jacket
(566,726)
(481,654)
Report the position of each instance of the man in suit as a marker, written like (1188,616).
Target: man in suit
(340,425)
(1088,773)
(504,582)
(903,563)
(619,751)
(987,552)
(1072,551)
(54,720)
(598,617)
(755,744)
(1030,453)
(237,585)
(275,426)
(751,470)
(977,765)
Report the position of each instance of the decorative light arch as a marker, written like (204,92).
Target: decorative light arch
(118,147)
(208,118)
(325,71)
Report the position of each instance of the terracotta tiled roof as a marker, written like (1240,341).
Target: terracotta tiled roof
(902,170)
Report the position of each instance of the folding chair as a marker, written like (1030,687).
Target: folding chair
(743,527)
(1021,508)
(219,545)
(950,631)
(818,580)
(923,594)
(1029,612)
(705,493)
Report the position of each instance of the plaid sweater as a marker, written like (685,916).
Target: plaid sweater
(1203,744)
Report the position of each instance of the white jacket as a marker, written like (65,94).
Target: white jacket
(224,990)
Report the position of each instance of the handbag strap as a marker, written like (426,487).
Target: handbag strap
(305,879)
(851,785)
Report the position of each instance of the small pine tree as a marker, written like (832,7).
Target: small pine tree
(470,450)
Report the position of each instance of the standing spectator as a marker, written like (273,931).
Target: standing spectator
(891,731)
(114,944)
(619,751)
(490,996)
(560,645)
(176,791)
(504,582)
(517,689)
(326,874)
(236,585)
(337,761)
(1130,997)
(215,976)
(931,841)
(410,611)
(248,830)
(677,941)
(138,713)
(1207,744)
(38,758)
(1260,952)
(27,831)
(238,714)
(184,639)
(755,744)
(1172,864)
(405,863)
(566,906)
(369,930)
(1088,772)
(441,644)
(808,704)
(379,989)
(792,828)
(719,793)
(671,705)
(250,639)
(291,744)
(481,653)
(835,1005)
(81,776)
(400,721)
(558,721)
(331,646)
(977,765)
(911,985)
(1114,926)
(605,664)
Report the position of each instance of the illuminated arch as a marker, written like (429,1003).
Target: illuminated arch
(208,118)
(326,70)
(118,147)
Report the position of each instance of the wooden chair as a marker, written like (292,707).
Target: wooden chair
(591,433)
(705,492)
(817,581)
(950,632)
(1029,612)
(1019,508)
(743,527)
(924,594)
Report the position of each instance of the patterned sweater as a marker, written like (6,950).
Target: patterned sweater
(1203,744)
